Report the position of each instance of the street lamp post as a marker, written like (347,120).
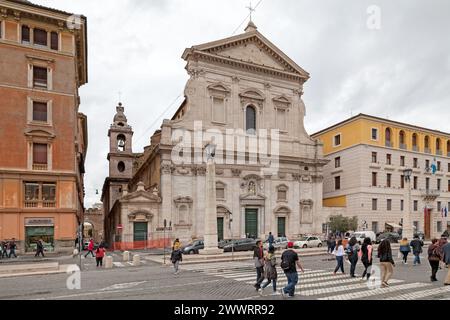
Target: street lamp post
(407,227)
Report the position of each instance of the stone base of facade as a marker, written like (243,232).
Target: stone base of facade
(210,251)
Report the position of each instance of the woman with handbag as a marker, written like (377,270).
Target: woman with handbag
(258,257)
(434,258)
(270,270)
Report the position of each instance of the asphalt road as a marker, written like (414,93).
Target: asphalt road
(219,281)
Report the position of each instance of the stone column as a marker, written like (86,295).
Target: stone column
(210,235)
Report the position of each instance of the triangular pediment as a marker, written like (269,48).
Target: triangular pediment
(250,48)
(139,196)
(250,196)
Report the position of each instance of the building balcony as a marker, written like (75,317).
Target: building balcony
(430,194)
(40,167)
(389,144)
(403,146)
(39,204)
(448,154)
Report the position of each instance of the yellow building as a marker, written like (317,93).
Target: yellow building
(368,156)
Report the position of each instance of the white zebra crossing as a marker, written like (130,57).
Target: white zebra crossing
(324,285)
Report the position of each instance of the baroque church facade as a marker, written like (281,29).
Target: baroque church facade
(245,84)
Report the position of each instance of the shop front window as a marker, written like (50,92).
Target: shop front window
(34,234)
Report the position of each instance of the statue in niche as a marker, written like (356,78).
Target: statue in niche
(252,188)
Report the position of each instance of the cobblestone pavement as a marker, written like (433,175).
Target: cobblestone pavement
(223,281)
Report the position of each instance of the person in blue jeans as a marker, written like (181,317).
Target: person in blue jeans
(339,253)
(416,245)
(289,262)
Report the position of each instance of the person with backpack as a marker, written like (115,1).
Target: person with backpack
(434,258)
(12,248)
(289,262)
(405,249)
(270,270)
(366,257)
(416,245)
(352,253)
(39,248)
(258,257)
(177,256)
(99,255)
(339,253)
(387,263)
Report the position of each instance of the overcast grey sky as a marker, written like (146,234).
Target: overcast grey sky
(401,71)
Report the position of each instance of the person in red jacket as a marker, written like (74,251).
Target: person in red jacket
(90,248)
(99,254)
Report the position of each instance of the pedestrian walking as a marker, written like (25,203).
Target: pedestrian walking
(387,264)
(330,244)
(339,253)
(99,255)
(446,259)
(434,258)
(12,248)
(270,270)
(405,249)
(366,257)
(289,264)
(176,256)
(90,248)
(4,249)
(270,239)
(441,244)
(416,246)
(352,254)
(258,257)
(39,248)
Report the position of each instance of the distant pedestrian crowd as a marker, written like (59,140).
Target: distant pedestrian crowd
(8,249)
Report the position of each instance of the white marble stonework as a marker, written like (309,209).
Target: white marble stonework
(226,77)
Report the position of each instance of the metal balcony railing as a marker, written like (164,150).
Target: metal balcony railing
(39,204)
(415,148)
(389,144)
(439,152)
(430,194)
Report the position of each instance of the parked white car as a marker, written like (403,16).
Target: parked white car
(361,235)
(308,242)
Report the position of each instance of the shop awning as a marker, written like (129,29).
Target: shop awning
(394,225)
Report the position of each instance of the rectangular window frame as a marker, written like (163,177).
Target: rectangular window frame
(374,204)
(30,119)
(337,162)
(376,133)
(337,183)
(213,113)
(338,135)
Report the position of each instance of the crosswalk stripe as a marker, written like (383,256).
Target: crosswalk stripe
(316,292)
(249,273)
(309,278)
(421,294)
(379,291)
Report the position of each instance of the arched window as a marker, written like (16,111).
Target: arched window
(438,146)
(250,120)
(388,137)
(402,140)
(414,142)
(448,148)
(121,142)
(427,144)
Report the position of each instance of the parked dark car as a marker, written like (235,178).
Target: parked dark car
(223,243)
(393,237)
(241,245)
(194,247)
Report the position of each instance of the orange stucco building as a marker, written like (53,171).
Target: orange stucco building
(43,137)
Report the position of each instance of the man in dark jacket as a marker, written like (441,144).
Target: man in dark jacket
(416,245)
(12,248)
(270,239)
(258,257)
(446,250)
